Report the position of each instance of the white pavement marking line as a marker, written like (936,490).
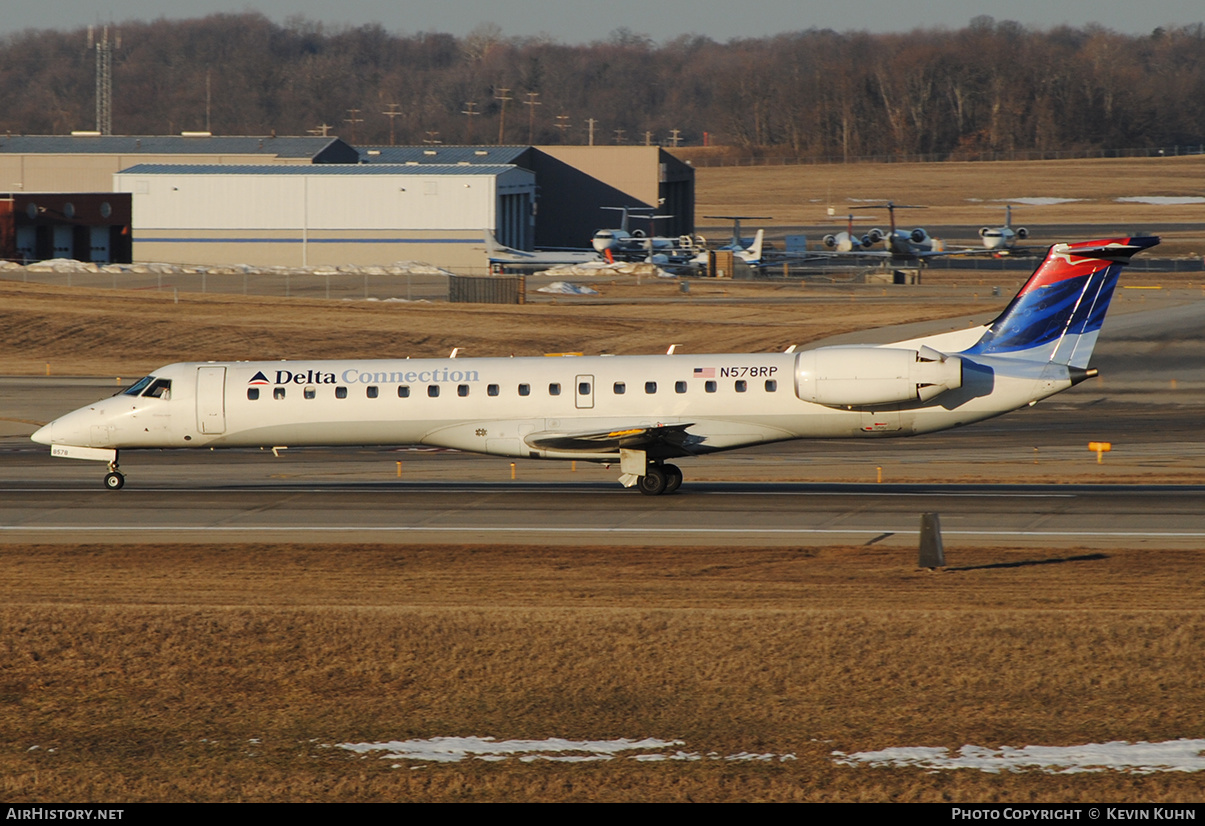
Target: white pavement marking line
(582,530)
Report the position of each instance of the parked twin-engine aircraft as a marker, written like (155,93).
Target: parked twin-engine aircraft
(1002,239)
(634,411)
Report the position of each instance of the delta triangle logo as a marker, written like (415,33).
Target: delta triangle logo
(259,378)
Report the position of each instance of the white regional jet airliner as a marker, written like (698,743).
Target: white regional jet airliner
(636,411)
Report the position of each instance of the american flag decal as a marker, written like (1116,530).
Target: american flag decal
(704,372)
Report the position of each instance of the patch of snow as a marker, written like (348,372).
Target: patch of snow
(1162,200)
(456,749)
(1039,201)
(553,749)
(565,288)
(1137,758)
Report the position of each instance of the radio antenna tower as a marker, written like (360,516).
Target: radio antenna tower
(104,77)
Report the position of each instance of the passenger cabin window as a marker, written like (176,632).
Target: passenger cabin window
(252,394)
(709,386)
(620,388)
(583,388)
(433,391)
(524,389)
(554,389)
(340,392)
(741,387)
(679,387)
(403,391)
(371,392)
(309,392)
(650,387)
(161,389)
(492,390)
(771,385)
(462,390)
(278,393)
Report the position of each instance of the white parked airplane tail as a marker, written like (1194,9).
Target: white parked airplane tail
(753,254)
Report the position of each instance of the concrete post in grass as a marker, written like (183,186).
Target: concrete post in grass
(932,554)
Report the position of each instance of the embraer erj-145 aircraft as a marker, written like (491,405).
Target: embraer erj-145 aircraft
(634,411)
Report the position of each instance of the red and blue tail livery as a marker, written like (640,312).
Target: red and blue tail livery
(1059,312)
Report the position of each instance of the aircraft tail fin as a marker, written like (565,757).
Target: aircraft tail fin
(754,251)
(1058,314)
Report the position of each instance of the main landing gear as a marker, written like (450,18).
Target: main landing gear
(659,479)
(114,479)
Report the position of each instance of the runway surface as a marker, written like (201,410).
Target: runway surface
(1000,483)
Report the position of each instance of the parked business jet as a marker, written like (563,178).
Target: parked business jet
(633,411)
(504,256)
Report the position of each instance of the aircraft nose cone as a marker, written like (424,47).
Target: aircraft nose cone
(44,434)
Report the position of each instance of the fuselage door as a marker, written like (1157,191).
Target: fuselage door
(211,399)
(584,392)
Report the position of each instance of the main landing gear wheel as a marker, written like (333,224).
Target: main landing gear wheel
(653,482)
(114,480)
(673,478)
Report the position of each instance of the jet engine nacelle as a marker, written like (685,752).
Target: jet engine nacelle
(919,236)
(867,376)
(983,231)
(1022,233)
(830,241)
(875,236)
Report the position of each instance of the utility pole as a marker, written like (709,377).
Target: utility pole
(471,114)
(432,137)
(531,114)
(353,120)
(591,121)
(618,136)
(391,113)
(322,129)
(648,138)
(502,94)
(675,137)
(562,123)
(104,77)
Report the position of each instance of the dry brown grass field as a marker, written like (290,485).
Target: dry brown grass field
(970,193)
(229,672)
(114,332)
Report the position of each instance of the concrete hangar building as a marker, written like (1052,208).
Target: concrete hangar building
(318,201)
(61,202)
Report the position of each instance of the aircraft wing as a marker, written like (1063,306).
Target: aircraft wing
(601,441)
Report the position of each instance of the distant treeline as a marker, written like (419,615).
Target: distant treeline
(988,88)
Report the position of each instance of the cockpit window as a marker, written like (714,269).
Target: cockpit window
(138,386)
(161,389)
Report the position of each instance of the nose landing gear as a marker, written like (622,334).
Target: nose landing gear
(114,479)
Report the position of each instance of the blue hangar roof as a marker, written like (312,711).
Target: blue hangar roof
(318,150)
(317,169)
(442,154)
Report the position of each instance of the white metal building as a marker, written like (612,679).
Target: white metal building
(327,214)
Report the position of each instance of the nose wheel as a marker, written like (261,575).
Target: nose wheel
(114,479)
